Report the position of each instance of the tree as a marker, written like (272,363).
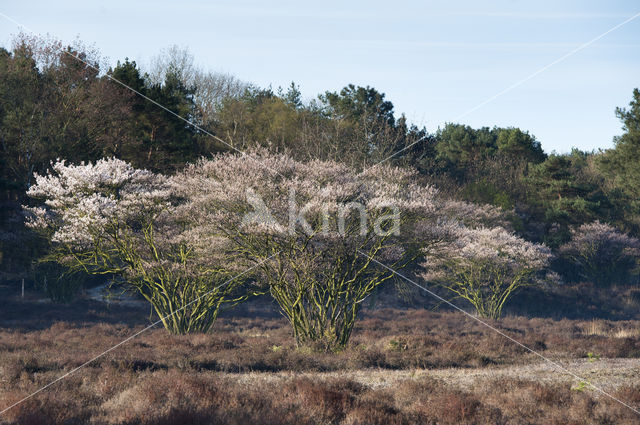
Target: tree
(210,89)
(359,103)
(21,116)
(176,61)
(623,162)
(621,165)
(601,253)
(518,145)
(565,191)
(485,267)
(356,126)
(167,140)
(461,147)
(111,219)
(293,95)
(365,125)
(260,118)
(312,228)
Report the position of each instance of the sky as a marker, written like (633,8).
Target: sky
(435,60)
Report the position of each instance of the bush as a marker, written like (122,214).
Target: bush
(109,218)
(600,253)
(485,267)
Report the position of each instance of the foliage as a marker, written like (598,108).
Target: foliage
(621,165)
(355,126)
(365,122)
(52,105)
(460,147)
(163,141)
(360,103)
(261,118)
(602,254)
(109,218)
(486,266)
(567,191)
(487,192)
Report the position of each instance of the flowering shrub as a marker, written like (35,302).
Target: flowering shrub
(485,266)
(108,218)
(601,253)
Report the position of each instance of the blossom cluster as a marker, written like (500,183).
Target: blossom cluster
(485,266)
(496,246)
(280,193)
(80,201)
(601,240)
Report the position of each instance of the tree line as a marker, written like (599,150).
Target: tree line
(62,102)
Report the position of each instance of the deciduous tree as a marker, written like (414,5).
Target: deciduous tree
(485,267)
(109,218)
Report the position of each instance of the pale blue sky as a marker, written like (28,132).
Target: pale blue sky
(434,59)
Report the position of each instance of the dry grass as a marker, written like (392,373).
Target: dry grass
(179,397)
(403,366)
(612,330)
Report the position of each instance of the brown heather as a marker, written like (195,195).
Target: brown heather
(401,367)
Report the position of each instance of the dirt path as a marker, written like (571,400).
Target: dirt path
(605,373)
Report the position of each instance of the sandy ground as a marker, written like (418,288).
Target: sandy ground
(607,374)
